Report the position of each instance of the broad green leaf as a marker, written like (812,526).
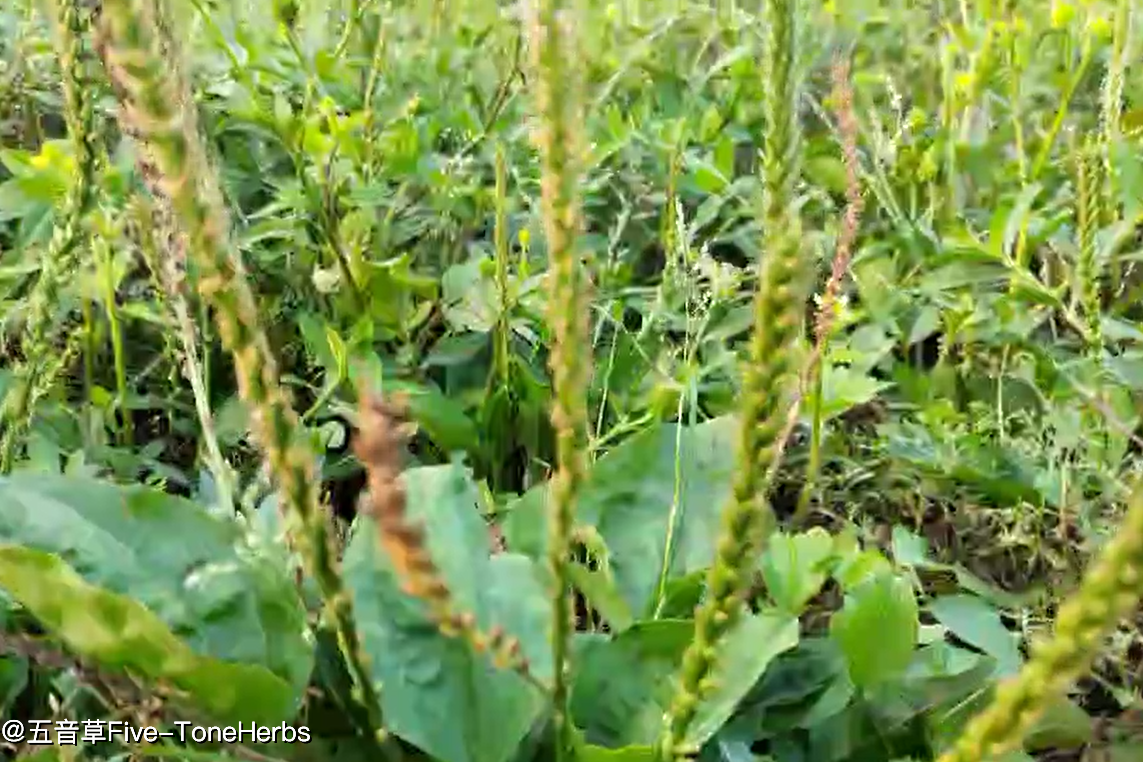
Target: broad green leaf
(622,684)
(442,418)
(1128,751)
(599,589)
(456,349)
(877,629)
(1063,725)
(909,549)
(844,388)
(795,567)
(1015,220)
(120,633)
(187,567)
(737,750)
(828,172)
(723,154)
(856,568)
(706,177)
(589,753)
(1129,173)
(799,677)
(625,683)
(682,595)
(627,499)
(748,651)
(927,323)
(839,737)
(831,702)
(978,624)
(940,677)
(316,338)
(437,692)
(962,274)
(470,299)
(15,673)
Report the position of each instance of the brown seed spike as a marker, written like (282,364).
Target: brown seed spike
(381,434)
(378,446)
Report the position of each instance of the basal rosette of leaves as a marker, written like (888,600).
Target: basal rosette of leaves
(184,613)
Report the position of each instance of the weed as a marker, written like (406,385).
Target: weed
(567,303)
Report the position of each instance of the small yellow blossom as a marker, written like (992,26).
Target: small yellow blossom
(1062,14)
(965,81)
(928,169)
(53,155)
(1099,27)
(917,119)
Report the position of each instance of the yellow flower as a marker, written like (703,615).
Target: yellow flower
(965,81)
(917,119)
(1099,27)
(928,169)
(1062,14)
(55,156)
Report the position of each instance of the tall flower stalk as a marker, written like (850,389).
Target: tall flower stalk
(813,373)
(153,105)
(557,136)
(1112,103)
(1110,591)
(378,447)
(1089,199)
(60,259)
(164,252)
(768,380)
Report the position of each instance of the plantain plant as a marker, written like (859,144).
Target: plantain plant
(649,606)
(61,259)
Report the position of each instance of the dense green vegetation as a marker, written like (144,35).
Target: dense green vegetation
(491,382)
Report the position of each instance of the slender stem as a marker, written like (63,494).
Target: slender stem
(560,142)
